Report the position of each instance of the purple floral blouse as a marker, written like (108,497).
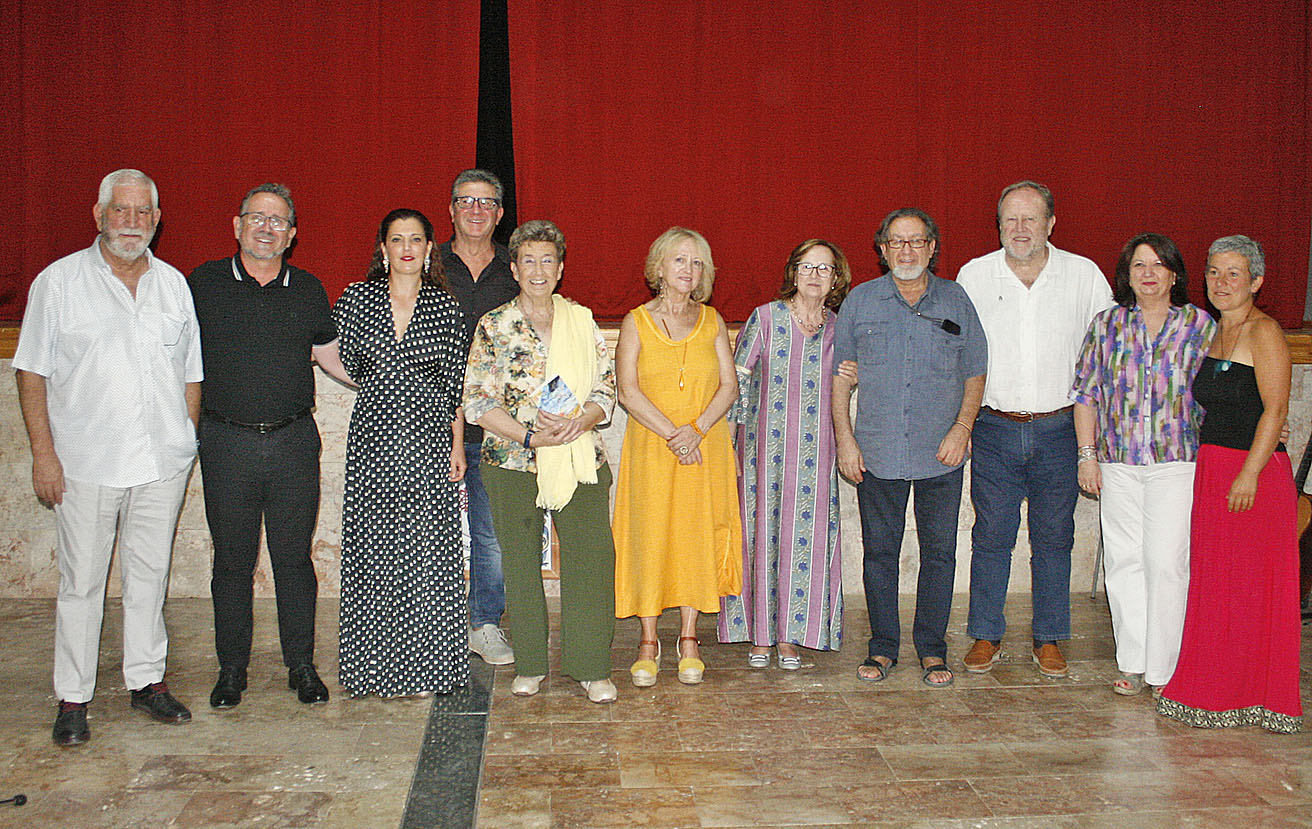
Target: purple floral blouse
(1139,385)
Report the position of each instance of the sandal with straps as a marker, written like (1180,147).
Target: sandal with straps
(644,670)
(690,667)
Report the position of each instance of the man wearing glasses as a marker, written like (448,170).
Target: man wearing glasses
(108,369)
(920,360)
(261,319)
(478,274)
(1035,303)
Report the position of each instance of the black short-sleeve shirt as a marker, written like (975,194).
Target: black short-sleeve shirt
(255,339)
(494,287)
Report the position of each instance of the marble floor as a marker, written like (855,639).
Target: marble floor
(746,748)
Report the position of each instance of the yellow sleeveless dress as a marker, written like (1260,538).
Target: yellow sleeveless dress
(677,528)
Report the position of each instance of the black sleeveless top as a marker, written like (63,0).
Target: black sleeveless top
(1228,394)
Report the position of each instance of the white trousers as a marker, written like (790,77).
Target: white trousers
(1145,533)
(144,519)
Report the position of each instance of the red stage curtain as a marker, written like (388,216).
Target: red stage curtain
(358,107)
(761,125)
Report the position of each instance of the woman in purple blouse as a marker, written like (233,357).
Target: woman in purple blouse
(1137,425)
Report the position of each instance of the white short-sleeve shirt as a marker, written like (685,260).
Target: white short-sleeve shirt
(1034,333)
(116,367)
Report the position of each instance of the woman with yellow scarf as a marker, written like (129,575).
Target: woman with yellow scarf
(540,382)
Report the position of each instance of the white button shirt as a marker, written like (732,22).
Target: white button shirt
(116,368)
(1034,333)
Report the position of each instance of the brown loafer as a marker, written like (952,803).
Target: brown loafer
(981,656)
(1049,659)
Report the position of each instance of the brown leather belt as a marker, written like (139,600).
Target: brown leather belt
(1027,417)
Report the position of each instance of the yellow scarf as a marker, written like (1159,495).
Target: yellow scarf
(573,356)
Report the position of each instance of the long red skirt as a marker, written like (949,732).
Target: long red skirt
(1239,653)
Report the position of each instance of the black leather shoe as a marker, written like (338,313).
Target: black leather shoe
(304,680)
(71,724)
(156,701)
(227,691)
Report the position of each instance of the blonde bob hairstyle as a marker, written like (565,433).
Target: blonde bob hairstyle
(661,248)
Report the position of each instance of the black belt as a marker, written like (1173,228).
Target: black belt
(262,428)
(1027,417)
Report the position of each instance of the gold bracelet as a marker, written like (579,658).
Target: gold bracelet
(699,432)
(965,425)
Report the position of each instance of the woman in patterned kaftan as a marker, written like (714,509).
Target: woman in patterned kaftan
(784,435)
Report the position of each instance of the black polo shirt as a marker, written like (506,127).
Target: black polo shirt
(494,287)
(255,339)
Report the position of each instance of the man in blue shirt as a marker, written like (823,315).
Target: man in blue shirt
(921,359)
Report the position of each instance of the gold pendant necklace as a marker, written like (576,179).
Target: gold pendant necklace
(683,360)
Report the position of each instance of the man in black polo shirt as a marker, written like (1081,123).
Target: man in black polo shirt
(260,321)
(478,273)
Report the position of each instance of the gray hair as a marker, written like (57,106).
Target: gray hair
(537,230)
(126,176)
(279,190)
(469,176)
(1248,248)
(931,230)
(1029,185)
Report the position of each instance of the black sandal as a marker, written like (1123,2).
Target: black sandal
(871,662)
(940,667)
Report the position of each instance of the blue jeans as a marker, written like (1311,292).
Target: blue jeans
(487,586)
(1011,462)
(883,507)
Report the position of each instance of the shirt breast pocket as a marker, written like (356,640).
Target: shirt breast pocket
(171,329)
(948,349)
(871,343)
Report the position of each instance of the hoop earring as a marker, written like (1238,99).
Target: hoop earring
(387,266)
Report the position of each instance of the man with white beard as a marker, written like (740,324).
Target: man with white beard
(109,370)
(920,359)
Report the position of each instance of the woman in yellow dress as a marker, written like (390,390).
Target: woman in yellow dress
(678,534)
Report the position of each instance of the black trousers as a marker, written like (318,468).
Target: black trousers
(271,478)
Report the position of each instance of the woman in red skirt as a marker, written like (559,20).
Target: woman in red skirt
(1239,655)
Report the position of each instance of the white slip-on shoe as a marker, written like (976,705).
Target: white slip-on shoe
(526,686)
(600,690)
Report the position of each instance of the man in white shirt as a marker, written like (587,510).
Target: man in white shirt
(108,368)
(1035,303)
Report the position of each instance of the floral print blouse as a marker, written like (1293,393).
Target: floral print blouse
(1140,385)
(507,367)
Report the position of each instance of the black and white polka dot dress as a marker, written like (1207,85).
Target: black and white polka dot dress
(403,628)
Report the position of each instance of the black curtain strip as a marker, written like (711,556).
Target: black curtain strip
(495,149)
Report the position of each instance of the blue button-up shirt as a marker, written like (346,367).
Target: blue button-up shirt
(911,372)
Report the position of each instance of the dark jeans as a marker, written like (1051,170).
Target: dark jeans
(487,588)
(1012,462)
(883,507)
(274,478)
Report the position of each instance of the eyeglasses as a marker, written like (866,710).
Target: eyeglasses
(468,202)
(277,223)
(824,269)
(897,244)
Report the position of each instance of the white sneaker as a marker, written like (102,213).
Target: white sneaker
(490,643)
(600,690)
(525,686)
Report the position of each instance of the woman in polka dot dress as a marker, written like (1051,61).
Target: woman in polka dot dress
(403,600)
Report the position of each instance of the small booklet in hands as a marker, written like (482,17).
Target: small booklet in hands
(556,398)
